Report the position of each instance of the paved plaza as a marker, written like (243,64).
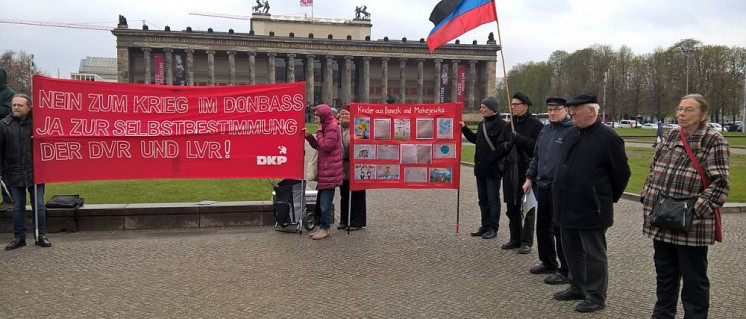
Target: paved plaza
(408,263)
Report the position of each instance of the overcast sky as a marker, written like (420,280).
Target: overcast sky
(531,29)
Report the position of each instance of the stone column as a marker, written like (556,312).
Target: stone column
(347,81)
(231,67)
(123,65)
(210,67)
(326,93)
(472,83)
(454,80)
(384,78)
(291,68)
(490,78)
(438,81)
(148,64)
(190,67)
(169,66)
(309,80)
(420,79)
(271,67)
(365,94)
(252,67)
(402,80)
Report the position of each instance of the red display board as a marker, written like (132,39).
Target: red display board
(109,131)
(405,145)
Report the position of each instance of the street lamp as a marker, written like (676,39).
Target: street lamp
(687,49)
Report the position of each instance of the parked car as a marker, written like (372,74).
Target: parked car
(716,126)
(649,126)
(613,124)
(629,123)
(671,125)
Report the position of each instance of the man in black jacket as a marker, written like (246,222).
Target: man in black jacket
(6,105)
(516,150)
(590,177)
(17,166)
(486,167)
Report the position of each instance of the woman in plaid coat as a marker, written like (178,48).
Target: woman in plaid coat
(683,255)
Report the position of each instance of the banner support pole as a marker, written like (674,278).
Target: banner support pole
(349,208)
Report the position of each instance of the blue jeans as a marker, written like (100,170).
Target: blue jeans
(324,200)
(488,192)
(19,209)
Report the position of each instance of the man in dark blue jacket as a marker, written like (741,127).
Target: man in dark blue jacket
(539,176)
(590,177)
(486,167)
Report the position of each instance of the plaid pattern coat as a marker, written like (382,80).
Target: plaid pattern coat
(673,173)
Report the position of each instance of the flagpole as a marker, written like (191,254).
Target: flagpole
(505,71)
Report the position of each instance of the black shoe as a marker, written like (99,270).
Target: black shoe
(341,226)
(489,234)
(525,249)
(43,241)
(589,306)
(512,244)
(568,294)
(17,242)
(479,232)
(542,269)
(556,279)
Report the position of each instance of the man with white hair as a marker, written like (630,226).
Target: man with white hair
(590,177)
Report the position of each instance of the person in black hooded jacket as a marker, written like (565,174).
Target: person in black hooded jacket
(6,105)
(515,151)
(486,167)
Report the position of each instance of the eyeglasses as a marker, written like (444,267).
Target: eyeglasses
(516,104)
(554,109)
(685,109)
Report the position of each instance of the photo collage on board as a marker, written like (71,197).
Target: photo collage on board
(408,150)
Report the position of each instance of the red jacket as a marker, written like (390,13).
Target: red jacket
(329,145)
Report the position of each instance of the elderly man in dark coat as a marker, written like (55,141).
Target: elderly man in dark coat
(590,177)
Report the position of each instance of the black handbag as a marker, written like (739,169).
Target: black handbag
(674,214)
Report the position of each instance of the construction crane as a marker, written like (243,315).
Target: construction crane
(219,15)
(57,24)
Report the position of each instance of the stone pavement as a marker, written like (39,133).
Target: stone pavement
(408,263)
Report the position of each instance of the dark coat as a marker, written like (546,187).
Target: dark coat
(546,153)
(516,151)
(16,151)
(6,95)
(485,159)
(591,175)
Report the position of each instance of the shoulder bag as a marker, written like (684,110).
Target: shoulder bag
(671,213)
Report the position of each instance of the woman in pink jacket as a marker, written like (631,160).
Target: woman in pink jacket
(330,172)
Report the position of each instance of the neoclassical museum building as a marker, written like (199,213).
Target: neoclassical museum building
(335,57)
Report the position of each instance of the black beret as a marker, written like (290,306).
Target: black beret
(583,99)
(491,103)
(556,101)
(523,97)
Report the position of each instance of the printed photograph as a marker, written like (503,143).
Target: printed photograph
(424,152)
(444,150)
(365,171)
(424,128)
(440,175)
(382,129)
(415,174)
(445,128)
(388,171)
(388,152)
(364,151)
(416,153)
(401,129)
(362,128)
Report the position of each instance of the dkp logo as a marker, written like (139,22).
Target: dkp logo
(273,160)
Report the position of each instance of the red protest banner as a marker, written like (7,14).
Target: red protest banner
(108,131)
(405,145)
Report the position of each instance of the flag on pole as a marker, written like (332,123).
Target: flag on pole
(306,3)
(453,18)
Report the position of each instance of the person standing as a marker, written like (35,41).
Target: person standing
(17,167)
(590,177)
(6,107)
(683,255)
(540,176)
(330,172)
(516,151)
(357,210)
(486,168)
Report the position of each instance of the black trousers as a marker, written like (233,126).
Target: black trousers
(358,217)
(521,229)
(548,240)
(672,264)
(585,251)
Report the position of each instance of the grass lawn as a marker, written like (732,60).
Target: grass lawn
(639,163)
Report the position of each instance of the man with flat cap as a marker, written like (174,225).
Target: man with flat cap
(486,167)
(540,176)
(590,177)
(516,150)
